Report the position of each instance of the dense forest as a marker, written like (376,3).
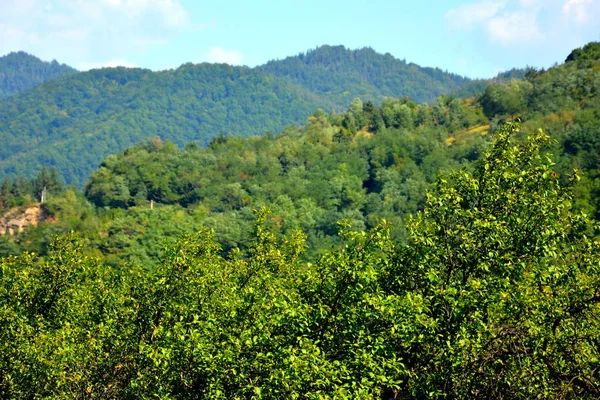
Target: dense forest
(343,74)
(21,71)
(391,250)
(366,163)
(73,123)
(494,294)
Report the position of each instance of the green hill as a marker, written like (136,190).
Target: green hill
(493,293)
(20,71)
(396,250)
(74,122)
(343,74)
(369,162)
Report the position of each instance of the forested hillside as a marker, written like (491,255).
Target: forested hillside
(363,164)
(342,74)
(392,250)
(494,294)
(21,71)
(71,124)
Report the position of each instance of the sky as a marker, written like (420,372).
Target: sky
(476,38)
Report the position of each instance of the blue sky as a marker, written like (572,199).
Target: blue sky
(474,38)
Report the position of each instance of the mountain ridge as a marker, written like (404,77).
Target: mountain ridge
(20,71)
(382,75)
(73,122)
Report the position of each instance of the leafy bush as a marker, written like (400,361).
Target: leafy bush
(495,295)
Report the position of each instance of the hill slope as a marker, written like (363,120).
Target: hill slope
(343,74)
(74,122)
(20,71)
(367,163)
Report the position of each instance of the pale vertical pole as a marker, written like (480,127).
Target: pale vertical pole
(151,204)
(43,199)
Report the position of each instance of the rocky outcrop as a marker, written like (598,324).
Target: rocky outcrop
(17,219)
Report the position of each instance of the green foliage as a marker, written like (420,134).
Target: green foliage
(590,51)
(508,99)
(140,235)
(96,113)
(497,265)
(73,123)
(20,71)
(342,74)
(487,287)
(101,112)
(367,163)
(310,177)
(494,295)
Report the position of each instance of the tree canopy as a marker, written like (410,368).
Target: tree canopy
(20,71)
(392,250)
(494,295)
(74,122)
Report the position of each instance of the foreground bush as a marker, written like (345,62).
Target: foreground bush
(494,296)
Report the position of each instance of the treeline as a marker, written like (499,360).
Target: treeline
(73,123)
(364,164)
(494,295)
(20,191)
(342,74)
(20,71)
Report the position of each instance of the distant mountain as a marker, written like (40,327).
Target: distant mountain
(477,86)
(21,71)
(342,74)
(74,122)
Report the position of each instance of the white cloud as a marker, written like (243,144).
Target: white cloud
(528,3)
(467,16)
(86,66)
(578,8)
(171,12)
(514,27)
(71,30)
(220,55)
(506,22)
